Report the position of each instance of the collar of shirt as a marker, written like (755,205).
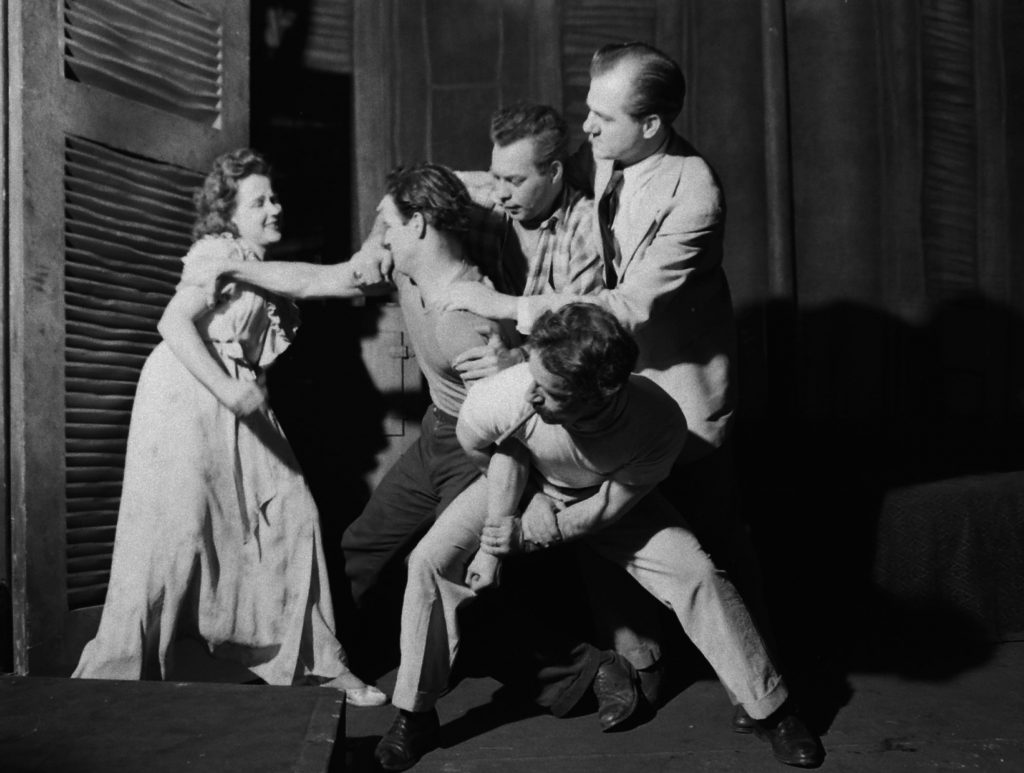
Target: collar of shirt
(467,273)
(636,174)
(550,223)
(634,178)
(599,423)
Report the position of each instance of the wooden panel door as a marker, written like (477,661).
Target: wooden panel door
(116,110)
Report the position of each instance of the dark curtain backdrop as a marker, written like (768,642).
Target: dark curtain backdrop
(871,155)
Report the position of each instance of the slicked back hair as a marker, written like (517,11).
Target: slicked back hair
(587,347)
(541,123)
(659,87)
(433,191)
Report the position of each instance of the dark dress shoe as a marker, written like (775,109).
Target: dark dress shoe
(793,743)
(616,691)
(742,722)
(652,682)
(412,734)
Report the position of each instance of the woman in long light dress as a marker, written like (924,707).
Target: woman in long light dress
(218,535)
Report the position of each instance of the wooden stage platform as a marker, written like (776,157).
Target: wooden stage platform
(53,725)
(961,714)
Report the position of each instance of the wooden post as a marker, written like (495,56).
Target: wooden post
(778,168)
(780,321)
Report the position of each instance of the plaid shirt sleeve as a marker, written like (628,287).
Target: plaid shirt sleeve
(579,265)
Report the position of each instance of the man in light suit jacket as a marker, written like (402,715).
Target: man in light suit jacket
(661,217)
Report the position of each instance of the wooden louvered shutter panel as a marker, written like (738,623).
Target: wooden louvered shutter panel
(125,103)
(329,43)
(127,221)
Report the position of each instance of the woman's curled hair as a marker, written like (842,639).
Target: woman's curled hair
(215,199)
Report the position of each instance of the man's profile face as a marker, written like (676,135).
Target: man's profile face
(398,235)
(525,192)
(614,134)
(552,397)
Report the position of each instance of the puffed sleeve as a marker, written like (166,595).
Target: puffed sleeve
(207,252)
(214,248)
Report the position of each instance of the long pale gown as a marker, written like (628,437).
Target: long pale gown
(217,535)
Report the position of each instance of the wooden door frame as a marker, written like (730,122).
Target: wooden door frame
(6,611)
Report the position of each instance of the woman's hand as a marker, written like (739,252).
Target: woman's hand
(372,265)
(242,398)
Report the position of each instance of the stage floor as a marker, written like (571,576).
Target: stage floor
(53,725)
(968,717)
(969,720)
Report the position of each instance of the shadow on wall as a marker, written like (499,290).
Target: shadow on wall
(842,438)
(333,415)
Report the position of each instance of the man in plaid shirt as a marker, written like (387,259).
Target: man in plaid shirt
(532,232)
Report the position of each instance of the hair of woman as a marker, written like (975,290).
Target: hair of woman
(215,199)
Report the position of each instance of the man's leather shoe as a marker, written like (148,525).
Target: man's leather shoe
(793,743)
(652,682)
(412,734)
(616,691)
(742,722)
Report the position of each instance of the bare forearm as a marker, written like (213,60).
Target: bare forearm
(178,329)
(507,474)
(611,501)
(480,459)
(503,306)
(298,280)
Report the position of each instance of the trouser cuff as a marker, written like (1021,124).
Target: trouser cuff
(415,701)
(766,706)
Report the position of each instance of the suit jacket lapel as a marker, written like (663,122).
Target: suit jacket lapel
(651,201)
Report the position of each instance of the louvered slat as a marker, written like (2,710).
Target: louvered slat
(93,507)
(127,226)
(89,518)
(131,349)
(104,163)
(329,42)
(119,258)
(77,445)
(949,175)
(165,55)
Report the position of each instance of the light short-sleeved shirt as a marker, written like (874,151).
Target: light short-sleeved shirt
(636,443)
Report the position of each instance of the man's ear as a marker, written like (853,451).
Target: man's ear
(557,170)
(650,126)
(419,223)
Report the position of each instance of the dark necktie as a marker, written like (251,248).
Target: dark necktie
(606,209)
